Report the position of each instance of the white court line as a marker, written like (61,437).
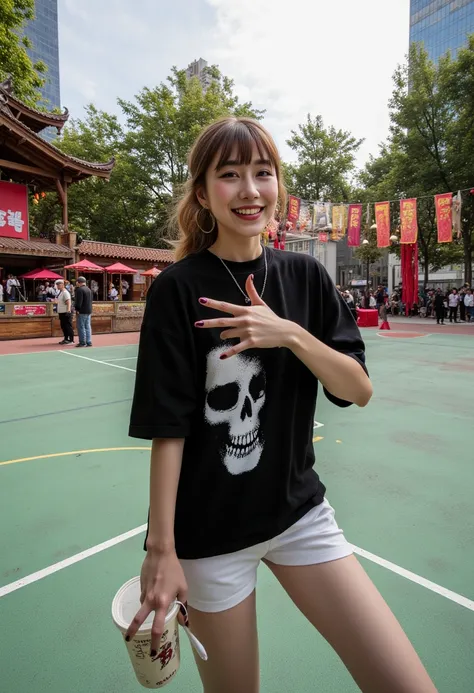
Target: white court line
(443,591)
(105,363)
(40,574)
(54,351)
(124,358)
(413,577)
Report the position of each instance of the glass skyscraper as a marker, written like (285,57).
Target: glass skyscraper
(442,25)
(43,34)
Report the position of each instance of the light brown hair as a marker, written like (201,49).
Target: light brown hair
(223,136)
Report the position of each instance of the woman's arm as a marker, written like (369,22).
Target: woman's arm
(162,578)
(340,374)
(165,468)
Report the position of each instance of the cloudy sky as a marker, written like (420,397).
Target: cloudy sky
(290,57)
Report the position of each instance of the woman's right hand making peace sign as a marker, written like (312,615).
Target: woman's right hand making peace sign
(162,581)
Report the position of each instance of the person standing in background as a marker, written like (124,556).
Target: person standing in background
(113,293)
(462,305)
(453,302)
(469,305)
(83,307)
(63,302)
(95,290)
(439,307)
(12,287)
(125,287)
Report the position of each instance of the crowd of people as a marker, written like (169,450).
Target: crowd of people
(10,289)
(47,292)
(455,304)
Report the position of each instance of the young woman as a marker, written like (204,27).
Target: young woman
(234,334)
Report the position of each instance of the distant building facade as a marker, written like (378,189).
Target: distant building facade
(199,69)
(43,33)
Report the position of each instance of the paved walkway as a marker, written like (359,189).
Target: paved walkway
(28,346)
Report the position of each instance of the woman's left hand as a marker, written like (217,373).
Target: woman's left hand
(257,326)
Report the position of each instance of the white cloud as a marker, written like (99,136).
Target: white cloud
(333,58)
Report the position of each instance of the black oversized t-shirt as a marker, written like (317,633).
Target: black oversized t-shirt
(247,471)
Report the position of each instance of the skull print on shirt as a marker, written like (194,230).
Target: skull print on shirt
(235,395)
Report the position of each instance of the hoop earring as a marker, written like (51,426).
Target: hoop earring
(199,225)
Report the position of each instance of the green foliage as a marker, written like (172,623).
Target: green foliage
(326,160)
(430,148)
(151,158)
(369,252)
(14,60)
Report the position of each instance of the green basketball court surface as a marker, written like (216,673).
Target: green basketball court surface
(73,503)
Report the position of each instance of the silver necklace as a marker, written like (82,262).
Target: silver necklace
(247,299)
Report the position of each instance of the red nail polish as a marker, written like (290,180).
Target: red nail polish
(153,653)
(127,638)
(252,277)
(203,300)
(223,356)
(199,324)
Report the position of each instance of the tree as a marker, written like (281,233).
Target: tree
(369,252)
(15,62)
(326,160)
(163,123)
(151,159)
(118,210)
(432,115)
(428,149)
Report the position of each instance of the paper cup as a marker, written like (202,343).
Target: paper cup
(156,672)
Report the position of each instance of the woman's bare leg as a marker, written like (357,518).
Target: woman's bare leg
(231,642)
(341,601)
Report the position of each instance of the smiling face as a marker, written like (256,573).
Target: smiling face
(241,195)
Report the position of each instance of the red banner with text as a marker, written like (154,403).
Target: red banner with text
(382,220)
(293,208)
(444,217)
(408,221)
(13,210)
(354,224)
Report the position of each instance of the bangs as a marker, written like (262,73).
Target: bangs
(236,140)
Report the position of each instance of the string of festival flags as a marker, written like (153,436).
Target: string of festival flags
(332,221)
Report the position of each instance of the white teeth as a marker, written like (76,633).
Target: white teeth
(252,210)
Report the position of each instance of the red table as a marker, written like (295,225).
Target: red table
(367,318)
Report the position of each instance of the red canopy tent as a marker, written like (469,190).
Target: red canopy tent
(119,268)
(41,274)
(38,274)
(85,266)
(153,272)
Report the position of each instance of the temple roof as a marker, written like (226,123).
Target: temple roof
(33,118)
(37,246)
(27,157)
(125,252)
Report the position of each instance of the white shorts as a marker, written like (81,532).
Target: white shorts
(221,582)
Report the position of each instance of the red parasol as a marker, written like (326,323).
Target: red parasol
(85,266)
(119,268)
(153,272)
(41,274)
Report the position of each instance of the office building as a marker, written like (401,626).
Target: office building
(43,34)
(198,69)
(441,25)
